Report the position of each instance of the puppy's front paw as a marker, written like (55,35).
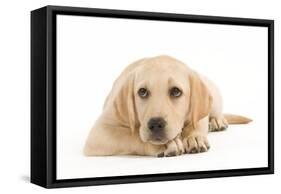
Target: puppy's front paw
(173,148)
(196,144)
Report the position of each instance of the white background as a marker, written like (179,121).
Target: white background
(15,96)
(92,52)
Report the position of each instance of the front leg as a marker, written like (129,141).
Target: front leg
(173,148)
(195,140)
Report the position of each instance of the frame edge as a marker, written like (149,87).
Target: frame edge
(38,170)
(271,96)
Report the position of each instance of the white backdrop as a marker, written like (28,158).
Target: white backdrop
(92,52)
(15,95)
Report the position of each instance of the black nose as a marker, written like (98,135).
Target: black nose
(156,124)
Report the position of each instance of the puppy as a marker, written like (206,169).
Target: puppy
(158,107)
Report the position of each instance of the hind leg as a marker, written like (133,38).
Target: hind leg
(217,122)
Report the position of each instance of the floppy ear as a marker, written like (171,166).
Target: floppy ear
(124,104)
(200,99)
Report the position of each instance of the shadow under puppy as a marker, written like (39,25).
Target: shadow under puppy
(158,107)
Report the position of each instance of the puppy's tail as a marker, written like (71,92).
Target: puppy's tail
(236,119)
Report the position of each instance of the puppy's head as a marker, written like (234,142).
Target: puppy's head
(160,97)
(167,96)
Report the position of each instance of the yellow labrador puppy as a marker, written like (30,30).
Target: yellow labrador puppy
(158,107)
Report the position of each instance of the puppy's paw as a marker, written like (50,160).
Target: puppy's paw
(173,148)
(217,124)
(196,144)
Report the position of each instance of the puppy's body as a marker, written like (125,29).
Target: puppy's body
(124,126)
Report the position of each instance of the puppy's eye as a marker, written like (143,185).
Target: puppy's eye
(175,92)
(143,93)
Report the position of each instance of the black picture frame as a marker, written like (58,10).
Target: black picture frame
(43,95)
